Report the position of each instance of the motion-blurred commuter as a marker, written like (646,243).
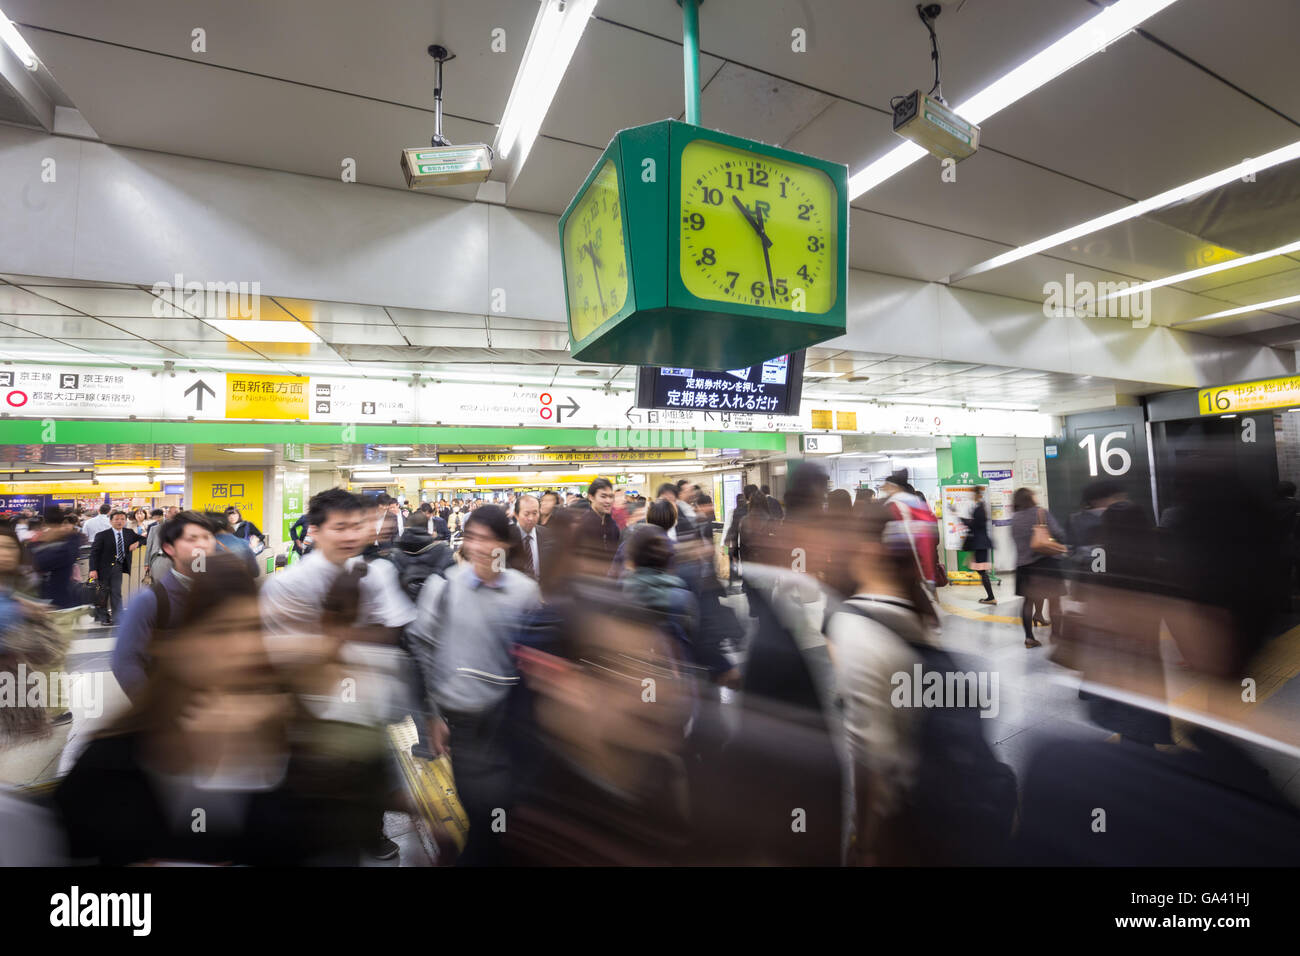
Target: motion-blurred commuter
(550,500)
(927,789)
(464,634)
(213,764)
(54,557)
(980,543)
(188,543)
(914,523)
(1207,801)
(1039,544)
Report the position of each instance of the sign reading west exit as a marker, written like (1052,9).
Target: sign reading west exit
(690,247)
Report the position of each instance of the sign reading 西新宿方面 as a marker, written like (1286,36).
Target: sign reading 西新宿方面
(1249,396)
(80,392)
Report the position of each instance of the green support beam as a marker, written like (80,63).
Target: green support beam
(89,432)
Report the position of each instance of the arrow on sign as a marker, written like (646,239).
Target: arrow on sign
(200,386)
(572,408)
(632,419)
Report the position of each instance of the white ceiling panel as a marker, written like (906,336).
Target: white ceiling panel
(17,301)
(106,302)
(551,177)
(759,106)
(377,49)
(339,334)
(244,119)
(618,78)
(1107,120)
(1249,43)
(900,247)
(67,327)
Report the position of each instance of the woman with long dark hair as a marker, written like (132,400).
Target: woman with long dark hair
(1038,538)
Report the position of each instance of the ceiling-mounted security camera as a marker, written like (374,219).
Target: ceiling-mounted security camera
(440,163)
(925,118)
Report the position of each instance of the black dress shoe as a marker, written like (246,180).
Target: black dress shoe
(384,849)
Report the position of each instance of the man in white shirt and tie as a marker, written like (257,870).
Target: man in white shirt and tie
(530,546)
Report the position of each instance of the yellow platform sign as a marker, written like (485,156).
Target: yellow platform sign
(219,490)
(266,396)
(1249,396)
(559,457)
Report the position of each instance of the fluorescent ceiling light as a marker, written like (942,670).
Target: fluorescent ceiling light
(1066,53)
(1004,406)
(919,400)
(305,460)
(394,448)
(556,32)
(527,447)
(1242,310)
(14,40)
(247,451)
(48,481)
(434,458)
(1169,197)
(279,331)
(1205,271)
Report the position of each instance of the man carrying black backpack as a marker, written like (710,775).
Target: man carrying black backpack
(418,554)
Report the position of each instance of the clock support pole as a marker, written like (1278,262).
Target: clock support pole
(691,57)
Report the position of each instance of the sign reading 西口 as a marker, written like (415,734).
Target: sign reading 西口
(71,392)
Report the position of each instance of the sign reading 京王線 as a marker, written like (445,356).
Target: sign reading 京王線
(1249,396)
(219,490)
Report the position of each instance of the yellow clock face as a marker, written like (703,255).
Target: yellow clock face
(595,255)
(757,230)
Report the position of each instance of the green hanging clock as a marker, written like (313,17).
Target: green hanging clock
(690,247)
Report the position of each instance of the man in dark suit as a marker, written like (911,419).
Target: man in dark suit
(531,547)
(110,558)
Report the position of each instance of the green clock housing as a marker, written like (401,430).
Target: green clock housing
(690,247)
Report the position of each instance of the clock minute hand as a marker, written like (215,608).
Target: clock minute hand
(595,271)
(767,259)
